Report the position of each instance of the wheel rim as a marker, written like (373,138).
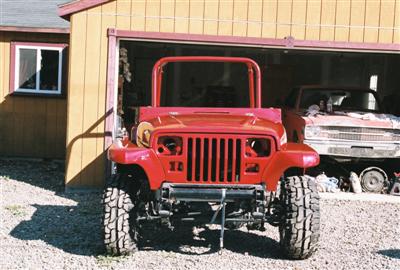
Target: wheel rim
(373,181)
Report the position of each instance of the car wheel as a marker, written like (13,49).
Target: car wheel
(120,230)
(299,228)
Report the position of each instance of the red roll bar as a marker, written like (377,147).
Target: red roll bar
(255,100)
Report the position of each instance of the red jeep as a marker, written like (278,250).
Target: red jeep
(210,165)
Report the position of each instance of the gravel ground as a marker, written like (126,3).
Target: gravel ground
(43,227)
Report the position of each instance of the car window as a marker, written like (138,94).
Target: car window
(348,100)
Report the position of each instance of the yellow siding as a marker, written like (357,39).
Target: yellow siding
(255,10)
(225,10)
(299,19)
(182,8)
(372,14)
(123,11)
(357,18)
(76,98)
(396,32)
(386,21)
(328,14)
(91,98)
(328,20)
(342,20)
(29,126)
(138,12)
(196,24)
(240,14)
(313,19)
(167,12)
(210,17)
(269,18)
(152,16)
(284,16)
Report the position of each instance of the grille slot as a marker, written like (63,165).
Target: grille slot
(213,159)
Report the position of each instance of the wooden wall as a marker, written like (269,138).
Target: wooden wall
(328,20)
(29,126)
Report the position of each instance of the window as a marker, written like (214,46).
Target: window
(343,99)
(37,68)
(373,84)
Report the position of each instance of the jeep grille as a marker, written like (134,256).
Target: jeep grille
(214,159)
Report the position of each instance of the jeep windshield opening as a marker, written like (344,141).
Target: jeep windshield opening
(212,95)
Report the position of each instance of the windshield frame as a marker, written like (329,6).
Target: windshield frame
(254,74)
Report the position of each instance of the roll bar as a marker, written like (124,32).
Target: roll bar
(253,68)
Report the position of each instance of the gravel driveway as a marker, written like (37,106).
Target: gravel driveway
(43,227)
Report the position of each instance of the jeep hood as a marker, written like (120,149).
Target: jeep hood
(351,119)
(216,123)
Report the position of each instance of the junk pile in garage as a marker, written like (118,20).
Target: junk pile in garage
(359,144)
(372,179)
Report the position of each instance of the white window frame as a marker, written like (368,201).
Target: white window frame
(38,67)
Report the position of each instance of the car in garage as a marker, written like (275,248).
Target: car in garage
(345,124)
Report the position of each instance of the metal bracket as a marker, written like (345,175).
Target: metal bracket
(221,207)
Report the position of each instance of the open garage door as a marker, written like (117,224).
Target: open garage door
(282,70)
(225,85)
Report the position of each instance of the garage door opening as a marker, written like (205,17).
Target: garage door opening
(205,84)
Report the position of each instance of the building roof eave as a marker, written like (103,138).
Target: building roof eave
(67,9)
(49,30)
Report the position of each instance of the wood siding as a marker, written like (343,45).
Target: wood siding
(328,20)
(32,127)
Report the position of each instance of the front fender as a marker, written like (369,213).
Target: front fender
(144,157)
(291,155)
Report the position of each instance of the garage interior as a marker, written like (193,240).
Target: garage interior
(282,69)
(226,85)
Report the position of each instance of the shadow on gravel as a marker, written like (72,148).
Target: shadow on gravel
(73,229)
(48,175)
(392,253)
(77,229)
(207,242)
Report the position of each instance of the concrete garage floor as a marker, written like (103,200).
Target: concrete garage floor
(42,227)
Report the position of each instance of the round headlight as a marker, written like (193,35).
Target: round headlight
(169,145)
(312,131)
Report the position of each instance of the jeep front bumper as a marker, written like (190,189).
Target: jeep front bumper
(355,149)
(211,193)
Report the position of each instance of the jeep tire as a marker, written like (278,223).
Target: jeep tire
(120,232)
(299,228)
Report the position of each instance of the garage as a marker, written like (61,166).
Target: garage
(295,43)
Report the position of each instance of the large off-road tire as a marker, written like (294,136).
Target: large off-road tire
(120,230)
(299,229)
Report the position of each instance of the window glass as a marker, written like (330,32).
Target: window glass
(38,69)
(49,70)
(27,68)
(346,100)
